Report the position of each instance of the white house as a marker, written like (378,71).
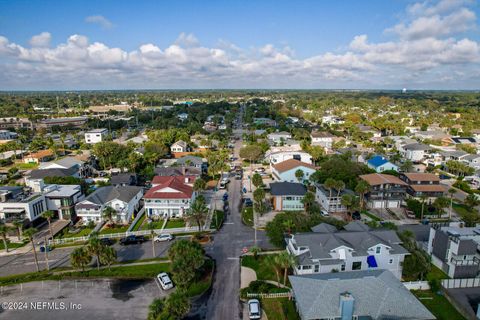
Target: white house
(170,196)
(472,160)
(380,164)
(8,135)
(182,116)
(62,199)
(356,248)
(280,156)
(95,135)
(278,137)
(330,200)
(179,146)
(124,200)
(285,171)
(322,138)
(17,204)
(415,152)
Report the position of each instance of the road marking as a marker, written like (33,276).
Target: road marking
(233,258)
(229,223)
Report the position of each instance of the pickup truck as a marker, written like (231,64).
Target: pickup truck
(132,240)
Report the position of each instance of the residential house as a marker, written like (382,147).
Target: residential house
(415,152)
(436,135)
(423,184)
(472,160)
(331,200)
(332,120)
(40,156)
(454,249)
(169,196)
(280,156)
(286,170)
(16,123)
(193,161)
(380,164)
(124,200)
(182,116)
(82,168)
(369,130)
(386,191)
(17,203)
(8,135)
(278,137)
(265,121)
(369,294)
(464,140)
(62,199)
(179,146)
(124,179)
(62,122)
(178,171)
(287,196)
(95,135)
(356,248)
(322,138)
(42,173)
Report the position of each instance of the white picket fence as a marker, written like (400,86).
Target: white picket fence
(461,283)
(124,234)
(417,285)
(270,295)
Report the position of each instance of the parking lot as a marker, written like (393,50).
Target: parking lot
(80,299)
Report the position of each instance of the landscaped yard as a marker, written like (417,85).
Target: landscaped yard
(203,279)
(247,216)
(12,245)
(139,223)
(85,231)
(438,305)
(217,219)
(436,274)
(156,225)
(264,270)
(280,309)
(175,223)
(371,216)
(26,166)
(115,229)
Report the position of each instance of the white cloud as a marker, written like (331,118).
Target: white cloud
(424,51)
(100,20)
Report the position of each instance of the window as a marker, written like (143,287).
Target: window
(357,265)
(342,267)
(390,261)
(378,249)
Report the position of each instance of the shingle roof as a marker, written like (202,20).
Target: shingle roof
(292,164)
(287,189)
(379,178)
(105,194)
(416,147)
(428,187)
(177,171)
(377,294)
(324,228)
(321,134)
(191,159)
(414,176)
(56,172)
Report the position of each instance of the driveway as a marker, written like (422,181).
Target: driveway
(81,299)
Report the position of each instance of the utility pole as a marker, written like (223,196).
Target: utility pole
(46,252)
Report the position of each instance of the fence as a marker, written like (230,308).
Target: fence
(461,283)
(128,233)
(417,285)
(270,295)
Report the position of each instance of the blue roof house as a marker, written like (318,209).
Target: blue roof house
(380,164)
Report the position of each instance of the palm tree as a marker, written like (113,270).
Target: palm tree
(285,261)
(273,262)
(49,216)
(29,233)
(177,305)
(451,192)
(197,213)
(424,198)
(18,225)
(255,250)
(80,258)
(151,227)
(471,201)
(308,199)
(339,186)
(108,256)
(330,185)
(3,233)
(95,248)
(299,175)
(289,225)
(108,214)
(362,188)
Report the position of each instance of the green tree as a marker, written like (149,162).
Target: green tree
(308,200)
(273,262)
(251,152)
(471,201)
(289,226)
(48,215)
(197,213)
(362,188)
(108,256)
(255,250)
(451,193)
(151,227)
(29,234)
(18,224)
(109,214)
(3,233)
(177,305)
(155,309)
(299,174)
(406,166)
(285,261)
(80,258)
(257,180)
(95,248)
(186,258)
(439,204)
(199,185)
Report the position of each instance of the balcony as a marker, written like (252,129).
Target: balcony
(460,262)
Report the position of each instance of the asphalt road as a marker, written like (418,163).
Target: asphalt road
(60,257)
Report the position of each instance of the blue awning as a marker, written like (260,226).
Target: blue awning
(372,263)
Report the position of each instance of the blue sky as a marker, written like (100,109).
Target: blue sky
(239,44)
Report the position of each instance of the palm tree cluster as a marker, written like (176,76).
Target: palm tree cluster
(281,262)
(104,255)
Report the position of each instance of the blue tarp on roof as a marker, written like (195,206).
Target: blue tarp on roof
(372,263)
(377,161)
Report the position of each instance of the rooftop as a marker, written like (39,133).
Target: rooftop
(379,178)
(287,189)
(292,164)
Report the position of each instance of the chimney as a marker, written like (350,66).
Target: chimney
(346,306)
(184,170)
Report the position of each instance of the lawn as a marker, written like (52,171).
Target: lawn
(115,229)
(82,233)
(125,272)
(175,223)
(156,225)
(438,305)
(203,279)
(12,245)
(26,166)
(264,270)
(139,223)
(247,216)
(436,274)
(280,309)
(217,219)
(371,216)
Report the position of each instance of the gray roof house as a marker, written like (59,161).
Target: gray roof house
(287,196)
(124,179)
(193,161)
(124,200)
(178,171)
(357,247)
(371,294)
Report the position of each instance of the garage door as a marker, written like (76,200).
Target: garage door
(393,204)
(377,204)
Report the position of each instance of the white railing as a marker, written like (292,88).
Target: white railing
(417,285)
(461,283)
(128,233)
(270,295)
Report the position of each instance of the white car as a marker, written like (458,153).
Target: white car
(163,237)
(259,170)
(254,311)
(324,213)
(165,281)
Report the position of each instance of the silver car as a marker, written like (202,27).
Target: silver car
(254,311)
(165,281)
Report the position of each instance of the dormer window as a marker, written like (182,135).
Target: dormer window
(378,250)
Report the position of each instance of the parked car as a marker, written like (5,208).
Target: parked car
(44,248)
(247,202)
(163,237)
(222,185)
(165,281)
(225,196)
(324,213)
(259,170)
(106,241)
(132,240)
(254,311)
(238,174)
